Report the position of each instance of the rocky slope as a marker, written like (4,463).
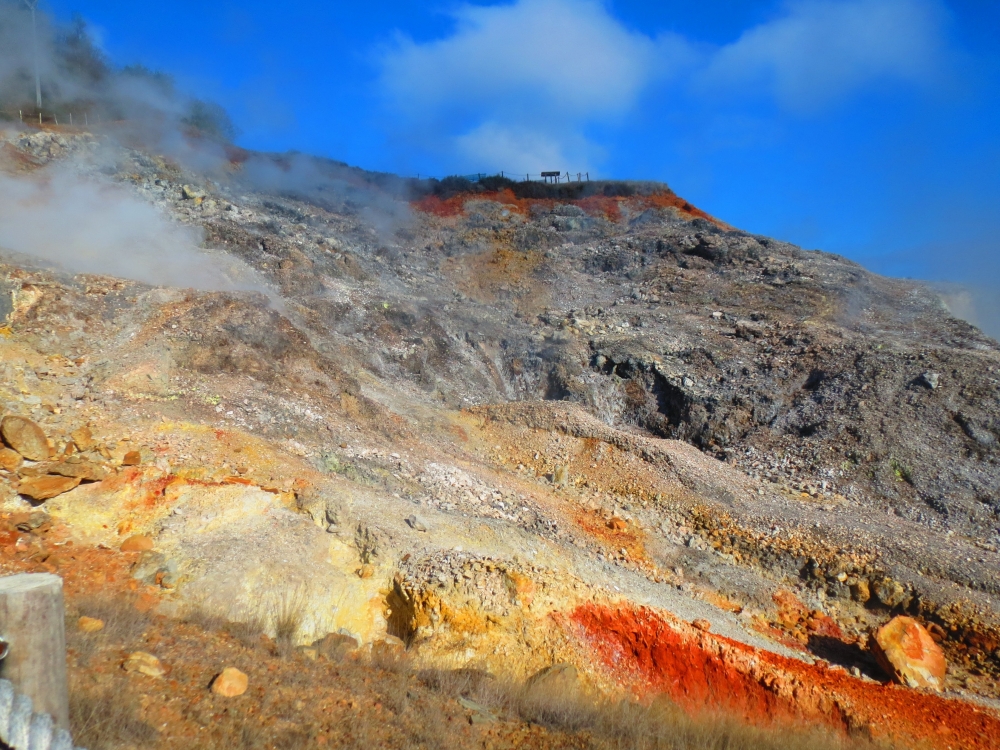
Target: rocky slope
(518,432)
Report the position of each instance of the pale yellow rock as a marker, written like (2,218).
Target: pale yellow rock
(90,624)
(137,543)
(83,438)
(143,663)
(10,460)
(230,683)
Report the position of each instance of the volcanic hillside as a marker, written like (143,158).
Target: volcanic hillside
(478,432)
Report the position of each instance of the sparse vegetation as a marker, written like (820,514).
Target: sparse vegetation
(79,79)
(566,191)
(106,719)
(389,703)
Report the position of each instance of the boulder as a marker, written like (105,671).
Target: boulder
(908,653)
(88,471)
(230,683)
(143,663)
(43,488)
(26,437)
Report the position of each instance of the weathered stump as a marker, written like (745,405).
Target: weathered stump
(32,622)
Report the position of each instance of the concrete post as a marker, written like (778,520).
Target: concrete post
(32,622)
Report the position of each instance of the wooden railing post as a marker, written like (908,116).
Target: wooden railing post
(33,624)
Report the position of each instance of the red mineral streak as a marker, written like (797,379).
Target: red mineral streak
(651,654)
(595,205)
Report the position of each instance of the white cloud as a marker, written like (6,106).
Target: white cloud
(500,146)
(517,86)
(568,55)
(525,79)
(821,50)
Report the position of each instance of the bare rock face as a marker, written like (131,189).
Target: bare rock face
(230,683)
(44,488)
(26,437)
(906,651)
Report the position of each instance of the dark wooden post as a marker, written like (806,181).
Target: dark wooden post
(33,623)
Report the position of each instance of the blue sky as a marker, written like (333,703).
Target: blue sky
(870,128)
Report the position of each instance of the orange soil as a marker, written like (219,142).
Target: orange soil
(595,205)
(650,654)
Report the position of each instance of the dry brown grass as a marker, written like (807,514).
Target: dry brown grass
(124,625)
(106,719)
(627,725)
(391,704)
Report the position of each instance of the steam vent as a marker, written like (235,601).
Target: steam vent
(328,458)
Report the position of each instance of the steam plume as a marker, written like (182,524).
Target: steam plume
(86,226)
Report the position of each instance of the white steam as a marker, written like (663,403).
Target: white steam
(84,226)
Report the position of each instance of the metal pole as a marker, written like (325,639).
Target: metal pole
(33,625)
(34,47)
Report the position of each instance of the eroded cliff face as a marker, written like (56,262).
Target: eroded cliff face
(515,432)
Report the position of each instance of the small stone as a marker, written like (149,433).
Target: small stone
(931,379)
(860,591)
(137,543)
(390,647)
(617,524)
(26,437)
(29,521)
(701,624)
(10,460)
(480,714)
(891,593)
(230,683)
(43,488)
(83,438)
(335,645)
(90,624)
(416,524)
(143,663)
(908,654)
(192,194)
(132,458)
(366,571)
(560,476)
